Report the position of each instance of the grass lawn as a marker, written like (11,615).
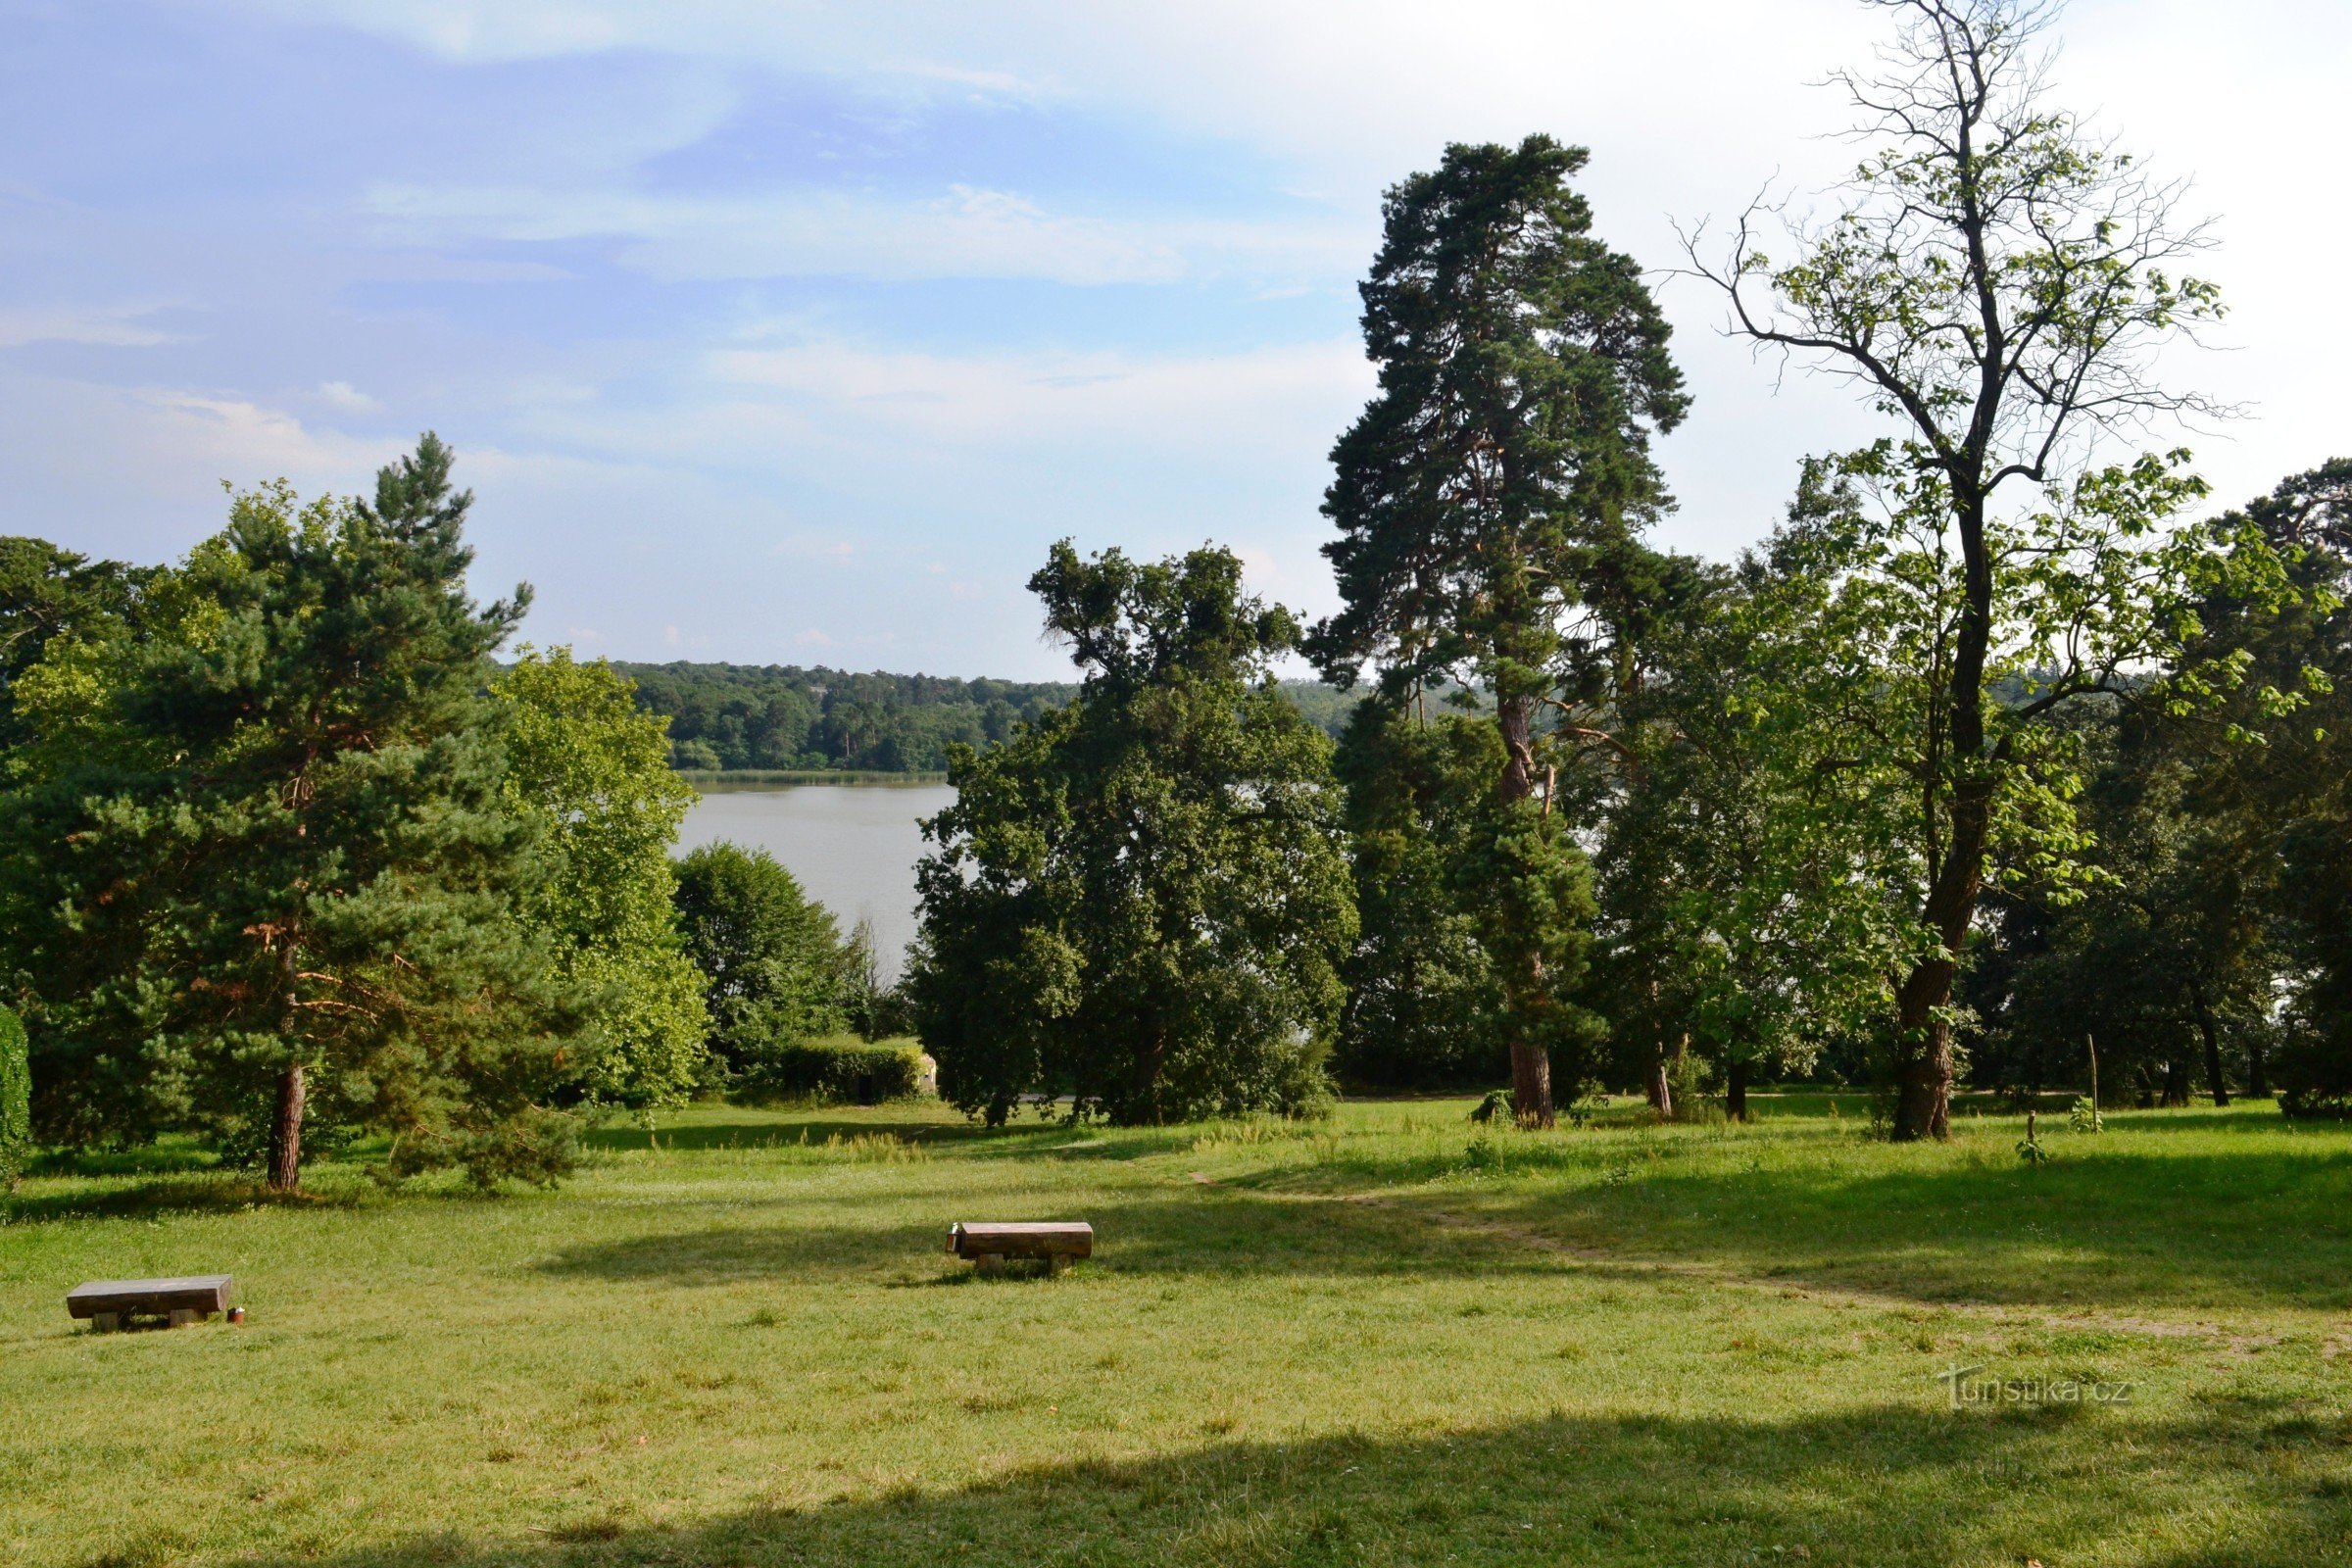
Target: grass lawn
(1379,1340)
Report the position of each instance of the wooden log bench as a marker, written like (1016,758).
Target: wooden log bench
(110,1303)
(991,1246)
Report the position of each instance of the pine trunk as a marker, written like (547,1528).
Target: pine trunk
(1531,1085)
(1531,1063)
(1661,1086)
(285,1133)
(2214,1081)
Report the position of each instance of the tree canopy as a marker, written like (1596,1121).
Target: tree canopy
(1139,899)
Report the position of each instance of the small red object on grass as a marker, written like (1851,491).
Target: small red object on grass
(236,1314)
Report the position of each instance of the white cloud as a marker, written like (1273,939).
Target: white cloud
(107,326)
(349,398)
(963,233)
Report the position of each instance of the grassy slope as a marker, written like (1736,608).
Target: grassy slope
(1370,1342)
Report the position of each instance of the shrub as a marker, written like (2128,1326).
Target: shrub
(839,1070)
(16,1100)
(2313,1071)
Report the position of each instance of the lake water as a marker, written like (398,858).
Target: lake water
(851,847)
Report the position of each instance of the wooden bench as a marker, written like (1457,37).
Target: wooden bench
(109,1304)
(989,1246)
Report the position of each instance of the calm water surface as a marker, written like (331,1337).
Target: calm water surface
(852,846)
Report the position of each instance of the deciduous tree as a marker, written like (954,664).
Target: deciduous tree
(1140,899)
(1996,281)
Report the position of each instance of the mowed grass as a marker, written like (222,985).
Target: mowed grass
(1383,1339)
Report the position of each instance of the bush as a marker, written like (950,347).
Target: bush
(839,1070)
(2313,1071)
(16,1100)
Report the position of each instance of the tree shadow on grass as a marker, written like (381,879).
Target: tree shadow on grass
(2265,1228)
(762,1132)
(1210,1231)
(2129,1230)
(1885,1487)
(194,1194)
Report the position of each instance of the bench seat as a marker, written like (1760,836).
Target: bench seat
(991,1245)
(189,1298)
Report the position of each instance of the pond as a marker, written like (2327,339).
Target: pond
(851,847)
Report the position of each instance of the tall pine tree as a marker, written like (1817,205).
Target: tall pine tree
(263,876)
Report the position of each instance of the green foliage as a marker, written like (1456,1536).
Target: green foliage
(784,716)
(1138,900)
(263,835)
(1425,1006)
(16,1100)
(47,593)
(1486,500)
(2083,1115)
(774,970)
(591,769)
(787,719)
(840,1070)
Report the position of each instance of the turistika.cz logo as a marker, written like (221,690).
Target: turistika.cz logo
(1967,1386)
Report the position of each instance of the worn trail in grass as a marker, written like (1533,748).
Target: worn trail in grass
(1380,1340)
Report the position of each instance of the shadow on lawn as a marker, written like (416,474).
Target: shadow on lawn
(1884,1485)
(767,1132)
(2130,1228)
(1207,1231)
(2142,1227)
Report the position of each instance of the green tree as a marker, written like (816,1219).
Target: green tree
(16,1101)
(594,770)
(264,875)
(774,970)
(1425,1006)
(48,593)
(1140,899)
(1497,477)
(1996,281)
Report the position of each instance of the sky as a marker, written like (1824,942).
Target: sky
(777,331)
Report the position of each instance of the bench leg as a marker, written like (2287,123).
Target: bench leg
(990,1262)
(1058,1263)
(182,1316)
(103,1322)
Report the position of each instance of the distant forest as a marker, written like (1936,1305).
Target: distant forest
(789,717)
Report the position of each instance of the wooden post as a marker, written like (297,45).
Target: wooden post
(2092,1041)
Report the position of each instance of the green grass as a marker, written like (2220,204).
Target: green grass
(1379,1340)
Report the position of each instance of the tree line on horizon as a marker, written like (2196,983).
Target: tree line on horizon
(811,718)
(2002,745)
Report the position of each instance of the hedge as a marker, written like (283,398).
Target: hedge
(840,1070)
(16,1100)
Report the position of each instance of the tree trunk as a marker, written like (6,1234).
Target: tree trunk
(1923,1069)
(1661,1086)
(1734,1090)
(285,1134)
(1531,1085)
(2175,1083)
(2258,1067)
(1531,1063)
(2214,1082)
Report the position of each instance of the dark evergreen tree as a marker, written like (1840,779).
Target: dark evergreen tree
(1488,490)
(262,880)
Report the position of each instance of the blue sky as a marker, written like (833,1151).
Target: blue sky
(794,332)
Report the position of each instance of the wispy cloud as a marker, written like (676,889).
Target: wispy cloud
(104,326)
(964,231)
